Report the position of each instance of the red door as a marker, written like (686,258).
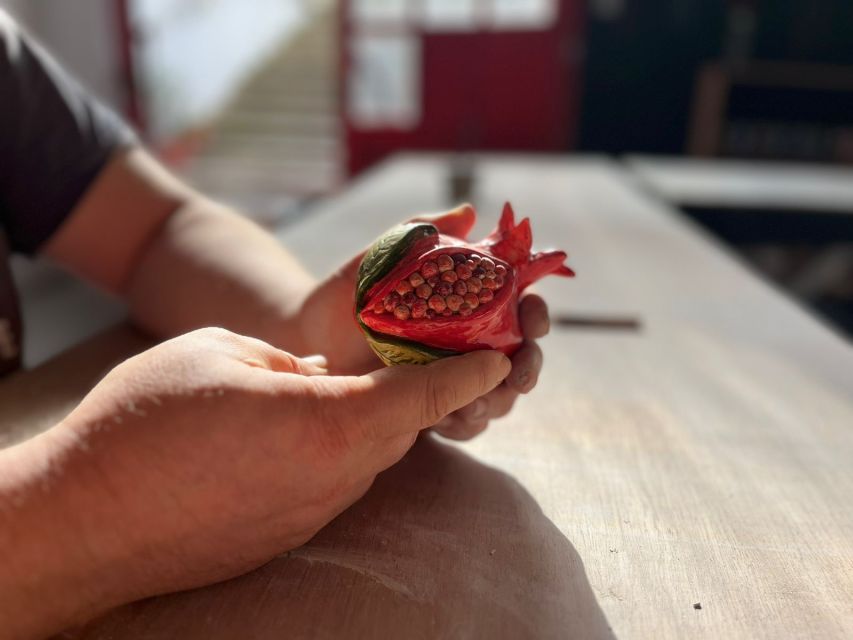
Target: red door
(498,78)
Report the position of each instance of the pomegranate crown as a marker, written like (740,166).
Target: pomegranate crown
(513,243)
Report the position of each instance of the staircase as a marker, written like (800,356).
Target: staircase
(279,144)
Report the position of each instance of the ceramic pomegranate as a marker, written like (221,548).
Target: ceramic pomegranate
(421,295)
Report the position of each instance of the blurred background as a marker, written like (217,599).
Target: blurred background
(739,113)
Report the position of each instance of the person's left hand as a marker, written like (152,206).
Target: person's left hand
(329,329)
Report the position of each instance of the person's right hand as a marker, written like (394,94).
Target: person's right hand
(211,453)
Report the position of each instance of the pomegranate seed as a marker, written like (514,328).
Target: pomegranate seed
(447,313)
(479,272)
(424,291)
(499,281)
(500,269)
(472,300)
(419,309)
(401,312)
(444,262)
(430,314)
(463,271)
(391,301)
(475,259)
(488,264)
(433,280)
(460,288)
(429,269)
(379,306)
(449,276)
(465,310)
(444,289)
(486,295)
(474,285)
(489,283)
(403,287)
(409,299)
(437,304)
(416,279)
(459,258)
(454,302)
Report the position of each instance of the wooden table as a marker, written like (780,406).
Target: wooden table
(705,460)
(794,221)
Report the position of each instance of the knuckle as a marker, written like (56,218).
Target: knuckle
(504,407)
(213,333)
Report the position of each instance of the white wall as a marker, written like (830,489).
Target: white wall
(194,54)
(190,55)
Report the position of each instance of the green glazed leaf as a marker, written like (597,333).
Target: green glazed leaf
(394,351)
(385,253)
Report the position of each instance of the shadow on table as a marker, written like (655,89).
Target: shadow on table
(441,547)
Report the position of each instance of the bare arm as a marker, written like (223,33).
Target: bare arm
(198,460)
(185,262)
(181,260)
(52,575)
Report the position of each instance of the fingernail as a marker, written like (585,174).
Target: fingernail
(317,360)
(522,379)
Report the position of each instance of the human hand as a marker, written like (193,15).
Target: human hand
(209,454)
(328,326)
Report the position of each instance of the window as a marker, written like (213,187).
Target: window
(524,14)
(379,11)
(453,15)
(384,83)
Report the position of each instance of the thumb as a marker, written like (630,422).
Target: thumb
(407,398)
(456,222)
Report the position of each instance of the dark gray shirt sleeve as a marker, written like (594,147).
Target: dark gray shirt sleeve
(54,140)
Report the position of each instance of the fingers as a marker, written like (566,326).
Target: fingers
(526,365)
(316,365)
(257,353)
(456,222)
(454,428)
(268,357)
(533,314)
(473,419)
(348,271)
(404,399)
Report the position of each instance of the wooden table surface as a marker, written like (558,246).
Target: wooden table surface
(704,460)
(747,184)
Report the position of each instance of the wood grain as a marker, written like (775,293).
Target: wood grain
(705,459)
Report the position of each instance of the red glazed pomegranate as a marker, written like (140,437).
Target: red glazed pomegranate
(422,295)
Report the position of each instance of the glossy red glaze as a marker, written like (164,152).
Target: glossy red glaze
(493,324)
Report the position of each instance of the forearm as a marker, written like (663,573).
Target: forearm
(181,261)
(208,266)
(52,572)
